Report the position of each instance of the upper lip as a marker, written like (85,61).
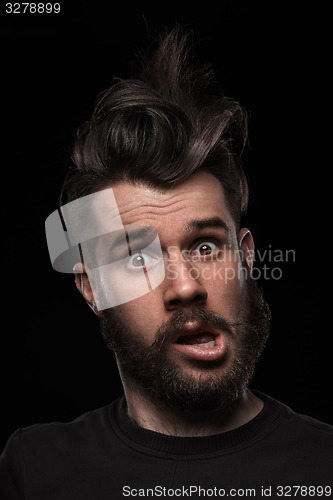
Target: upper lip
(194,329)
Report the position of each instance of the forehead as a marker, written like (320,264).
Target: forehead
(200,196)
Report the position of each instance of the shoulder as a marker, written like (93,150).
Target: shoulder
(81,432)
(314,432)
(313,425)
(56,450)
(301,431)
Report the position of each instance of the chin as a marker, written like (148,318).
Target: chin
(199,389)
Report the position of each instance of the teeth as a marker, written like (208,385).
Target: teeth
(207,345)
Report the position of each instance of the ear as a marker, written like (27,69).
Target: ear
(83,285)
(246,244)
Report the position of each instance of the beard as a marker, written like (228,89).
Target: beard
(220,383)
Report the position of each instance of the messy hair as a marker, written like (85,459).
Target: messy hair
(162,127)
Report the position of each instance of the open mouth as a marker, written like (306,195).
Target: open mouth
(201,339)
(201,342)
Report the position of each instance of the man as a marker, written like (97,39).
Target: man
(153,234)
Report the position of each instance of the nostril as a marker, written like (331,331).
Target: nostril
(187,301)
(200,297)
(184,292)
(175,302)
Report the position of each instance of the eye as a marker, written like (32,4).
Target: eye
(205,248)
(139,260)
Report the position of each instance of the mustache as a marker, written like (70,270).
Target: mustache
(168,329)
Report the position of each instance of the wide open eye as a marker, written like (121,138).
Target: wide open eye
(205,248)
(139,260)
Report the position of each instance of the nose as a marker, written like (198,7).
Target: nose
(183,286)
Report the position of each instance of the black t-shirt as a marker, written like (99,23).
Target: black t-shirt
(104,455)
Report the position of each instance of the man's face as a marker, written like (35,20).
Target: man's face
(194,339)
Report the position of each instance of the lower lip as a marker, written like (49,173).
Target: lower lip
(202,353)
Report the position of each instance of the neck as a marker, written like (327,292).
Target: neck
(158,417)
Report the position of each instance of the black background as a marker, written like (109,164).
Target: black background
(271,57)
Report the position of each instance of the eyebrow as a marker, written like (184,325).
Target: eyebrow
(211,222)
(144,235)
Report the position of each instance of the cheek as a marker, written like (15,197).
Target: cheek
(115,286)
(141,316)
(224,281)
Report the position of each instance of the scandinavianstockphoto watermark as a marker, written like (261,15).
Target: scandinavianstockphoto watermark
(270,263)
(228,264)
